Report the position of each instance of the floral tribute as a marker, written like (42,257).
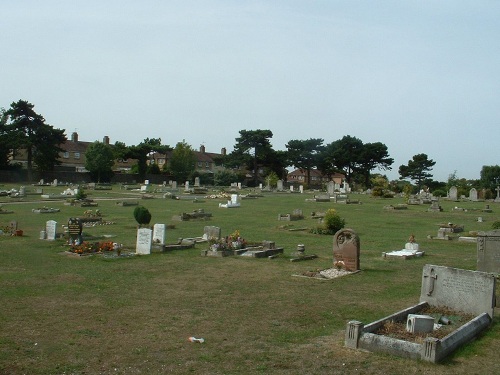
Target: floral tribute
(93,247)
(232,242)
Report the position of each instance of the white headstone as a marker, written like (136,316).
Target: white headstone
(234,199)
(159,234)
(452,193)
(473,195)
(146,182)
(144,187)
(50,229)
(143,244)
(186,187)
(260,186)
(280,185)
(291,188)
(174,185)
(239,185)
(197,181)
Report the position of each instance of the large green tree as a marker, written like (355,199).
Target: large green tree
(26,131)
(343,155)
(305,154)
(417,169)
(490,176)
(373,156)
(252,150)
(99,161)
(142,151)
(182,162)
(4,146)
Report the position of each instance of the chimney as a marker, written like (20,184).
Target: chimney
(223,151)
(74,137)
(202,149)
(105,140)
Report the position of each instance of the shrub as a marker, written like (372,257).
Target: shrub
(331,223)
(496,225)
(439,193)
(142,215)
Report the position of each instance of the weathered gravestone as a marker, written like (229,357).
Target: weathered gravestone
(159,234)
(75,231)
(197,181)
(51,229)
(346,249)
(143,244)
(458,290)
(174,185)
(488,251)
(280,185)
(453,193)
(473,195)
(330,187)
(211,232)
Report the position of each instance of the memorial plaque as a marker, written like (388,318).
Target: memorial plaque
(75,230)
(472,292)
(346,249)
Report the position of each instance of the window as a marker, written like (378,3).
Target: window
(200,164)
(66,155)
(207,165)
(77,155)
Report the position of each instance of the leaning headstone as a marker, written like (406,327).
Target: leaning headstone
(473,195)
(50,229)
(346,248)
(453,193)
(159,234)
(143,244)
(488,251)
(75,231)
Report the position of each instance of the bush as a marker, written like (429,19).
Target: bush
(142,215)
(331,223)
(439,193)
(496,225)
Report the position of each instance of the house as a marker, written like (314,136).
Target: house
(299,176)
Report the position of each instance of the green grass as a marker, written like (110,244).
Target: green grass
(94,315)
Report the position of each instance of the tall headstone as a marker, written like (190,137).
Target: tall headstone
(280,185)
(473,195)
(51,229)
(291,188)
(301,189)
(488,251)
(330,187)
(143,244)
(346,248)
(453,193)
(239,185)
(174,185)
(75,231)
(159,234)
(186,186)
(197,182)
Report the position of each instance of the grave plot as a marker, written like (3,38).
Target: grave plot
(411,250)
(467,296)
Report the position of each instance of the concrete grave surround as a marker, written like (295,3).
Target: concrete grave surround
(465,291)
(488,251)
(143,244)
(159,234)
(50,229)
(346,249)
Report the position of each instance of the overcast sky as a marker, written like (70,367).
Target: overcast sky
(419,76)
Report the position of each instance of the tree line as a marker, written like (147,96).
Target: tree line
(22,130)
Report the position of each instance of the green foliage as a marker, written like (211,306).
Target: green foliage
(273,179)
(439,193)
(305,154)
(142,215)
(99,161)
(332,223)
(183,161)
(490,176)
(224,178)
(495,225)
(417,169)
(81,194)
(153,169)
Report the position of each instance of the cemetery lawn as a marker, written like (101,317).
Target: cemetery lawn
(65,314)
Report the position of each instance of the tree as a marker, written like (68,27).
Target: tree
(490,177)
(252,149)
(343,155)
(99,160)
(305,154)
(417,169)
(373,155)
(142,151)
(4,146)
(27,132)
(182,162)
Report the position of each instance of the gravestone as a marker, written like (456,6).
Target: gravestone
(280,185)
(159,234)
(174,185)
(488,251)
(143,244)
(197,182)
(473,195)
(51,229)
(54,183)
(260,186)
(22,191)
(330,187)
(301,189)
(291,188)
(239,185)
(186,186)
(346,246)
(75,231)
(471,292)
(211,232)
(453,193)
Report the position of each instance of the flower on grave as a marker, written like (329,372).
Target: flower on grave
(339,264)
